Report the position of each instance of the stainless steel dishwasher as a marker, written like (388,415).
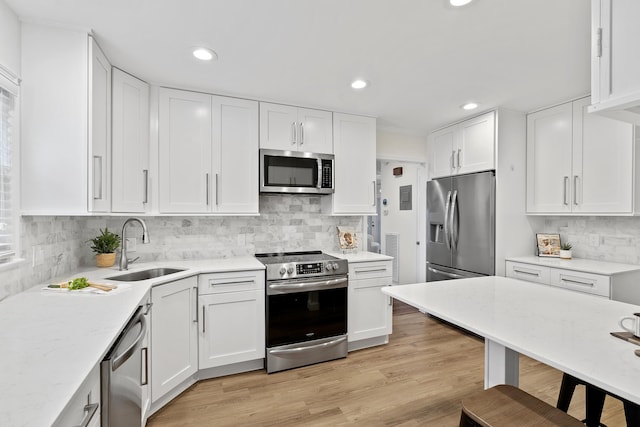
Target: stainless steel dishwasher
(123,374)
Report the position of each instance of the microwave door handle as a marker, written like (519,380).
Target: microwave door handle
(319,185)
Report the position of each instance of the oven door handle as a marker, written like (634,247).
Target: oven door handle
(328,344)
(287,288)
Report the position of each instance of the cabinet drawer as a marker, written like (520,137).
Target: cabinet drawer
(236,281)
(528,272)
(582,282)
(369,270)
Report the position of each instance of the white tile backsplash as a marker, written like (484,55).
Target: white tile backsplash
(55,246)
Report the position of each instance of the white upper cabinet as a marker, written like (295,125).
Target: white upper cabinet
(579,163)
(66,123)
(130,144)
(208,152)
(465,147)
(283,127)
(355,165)
(615,63)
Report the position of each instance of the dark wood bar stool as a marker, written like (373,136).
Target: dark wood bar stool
(508,406)
(594,402)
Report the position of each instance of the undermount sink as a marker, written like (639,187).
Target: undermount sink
(151,273)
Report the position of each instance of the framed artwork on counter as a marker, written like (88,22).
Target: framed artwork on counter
(548,244)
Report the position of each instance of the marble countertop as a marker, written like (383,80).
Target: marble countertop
(578,264)
(569,331)
(355,257)
(51,340)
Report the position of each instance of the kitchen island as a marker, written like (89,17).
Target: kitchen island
(566,330)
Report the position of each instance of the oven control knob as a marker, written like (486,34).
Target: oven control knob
(290,270)
(282,271)
(329,267)
(335,266)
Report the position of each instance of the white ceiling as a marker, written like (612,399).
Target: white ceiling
(423,58)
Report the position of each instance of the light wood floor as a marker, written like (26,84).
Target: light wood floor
(418,379)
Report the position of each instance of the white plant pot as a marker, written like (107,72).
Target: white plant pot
(565,254)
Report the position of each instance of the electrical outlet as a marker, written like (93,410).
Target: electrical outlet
(594,240)
(131,244)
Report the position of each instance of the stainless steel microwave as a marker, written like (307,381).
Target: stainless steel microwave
(296,172)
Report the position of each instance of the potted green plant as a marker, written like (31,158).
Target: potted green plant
(105,245)
(565,250)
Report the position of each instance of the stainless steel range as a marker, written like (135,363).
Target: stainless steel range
(306,308)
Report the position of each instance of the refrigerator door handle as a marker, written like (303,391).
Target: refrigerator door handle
(447,234)
(453,230)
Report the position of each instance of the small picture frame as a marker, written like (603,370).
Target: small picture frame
(347,238)
(548,245)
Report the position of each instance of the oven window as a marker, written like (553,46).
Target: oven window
(290,171)
(306,316)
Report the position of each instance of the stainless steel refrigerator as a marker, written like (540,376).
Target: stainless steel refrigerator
(461,226)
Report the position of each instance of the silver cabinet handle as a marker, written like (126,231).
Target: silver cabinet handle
(565,191)
(372,270)
(577,282)
(145,177)
(195,293)
(515,270)
(575,190)
(374,193)
(599,43)
(301,133)
(293,133)
(204,321)
(145,361)
(216,188)
(453,159)
(97,177)
(206,180)
(459,150)
(89,411)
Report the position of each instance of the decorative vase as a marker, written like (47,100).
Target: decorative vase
(105,260)
(565,254)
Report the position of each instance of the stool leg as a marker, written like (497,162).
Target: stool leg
(465,421)
(595,403)
(631,413)
(567,388)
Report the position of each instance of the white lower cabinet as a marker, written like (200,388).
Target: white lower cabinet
(84,408)
(231,309)
(370,311)
(615,281)
(174,335)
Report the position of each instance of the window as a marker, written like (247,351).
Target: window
(7,214)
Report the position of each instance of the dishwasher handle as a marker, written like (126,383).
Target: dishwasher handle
(118,360)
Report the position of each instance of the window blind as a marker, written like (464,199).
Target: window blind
(7,114)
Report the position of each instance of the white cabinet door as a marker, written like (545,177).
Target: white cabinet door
(184,152)
(615,64)
(476,144)
(130,143)
(315,131)
(278,127)
(370,311)
(235,155)
(87,395)
(602,180)
(284,127)
(441,152)
(231,328)
(354,140)
(549,154)
(466,147)
(99,129)
(174,335)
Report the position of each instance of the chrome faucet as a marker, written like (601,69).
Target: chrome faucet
(124,261)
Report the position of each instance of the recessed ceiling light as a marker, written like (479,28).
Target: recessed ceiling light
(359,84)
(204,54)
(469,106)
(458,3)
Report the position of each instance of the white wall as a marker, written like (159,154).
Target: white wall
(400,146)
(9,39)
